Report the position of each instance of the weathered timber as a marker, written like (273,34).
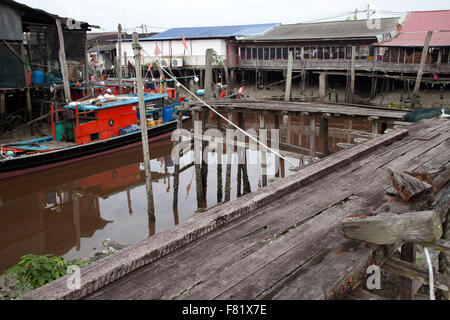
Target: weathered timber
(423,226)
(406,185)
(287,95)
(361,294)
(414,272)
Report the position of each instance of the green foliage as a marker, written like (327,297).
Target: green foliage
(34,271)
(394,105)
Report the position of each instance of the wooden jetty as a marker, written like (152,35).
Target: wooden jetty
(284,241)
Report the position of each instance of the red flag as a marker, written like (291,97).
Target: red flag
(184,42)
(157,50)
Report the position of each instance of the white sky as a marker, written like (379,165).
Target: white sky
(163,14)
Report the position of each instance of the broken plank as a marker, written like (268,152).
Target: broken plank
(423,226)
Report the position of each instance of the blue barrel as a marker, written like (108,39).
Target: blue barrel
(167,113)
(37,77)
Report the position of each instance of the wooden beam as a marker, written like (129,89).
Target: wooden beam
(420,71)
(414,272)
(388,228)
(62,60)
(408,254)
(361,294)
(441,245)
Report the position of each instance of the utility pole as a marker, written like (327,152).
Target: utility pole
(143,115)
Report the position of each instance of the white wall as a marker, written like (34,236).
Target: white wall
(193,56)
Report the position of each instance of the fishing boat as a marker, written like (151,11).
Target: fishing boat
(87,129)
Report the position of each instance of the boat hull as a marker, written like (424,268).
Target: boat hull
(41,161)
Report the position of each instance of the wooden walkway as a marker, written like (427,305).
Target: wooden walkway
(283,241)
(335,110)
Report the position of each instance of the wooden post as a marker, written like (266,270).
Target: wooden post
(198,158)
(352,77)
(176,184)
(408,254)
(204,171)
(312,135)
(228,172)
(219,165)
(263,139)
(324,131)
(130,209)
(119,60)
(86,65)
(420,71)
(125,64)
(62,60)
(208,74)
(277,158)
(287,95)
(143,117)
(322,86)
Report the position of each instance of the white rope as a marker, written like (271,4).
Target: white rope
(430,274)
(230,122)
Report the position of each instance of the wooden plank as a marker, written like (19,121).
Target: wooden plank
(361,294)
(406,185)
(387,228)
(441,245)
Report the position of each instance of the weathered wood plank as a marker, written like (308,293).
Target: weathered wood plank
(387,228)
(414,272)
(361,294)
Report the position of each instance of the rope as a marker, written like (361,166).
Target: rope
(430,274)
(230,122)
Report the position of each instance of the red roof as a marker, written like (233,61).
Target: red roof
(416,26)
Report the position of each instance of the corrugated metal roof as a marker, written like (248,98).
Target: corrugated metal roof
(328,30)
(416,26)
(214,32)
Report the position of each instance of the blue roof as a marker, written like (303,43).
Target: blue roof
(214,32)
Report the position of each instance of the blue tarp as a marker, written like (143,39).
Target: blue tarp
(131,98)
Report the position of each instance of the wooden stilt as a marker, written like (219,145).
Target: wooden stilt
(408,254)
(324,130)
(420,71)
(219,166)
(263,139)
(312,135)
(228,170)
(119,55)
(322,86)
(208,74)
(287,95)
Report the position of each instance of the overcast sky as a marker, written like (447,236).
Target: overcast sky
(160,15)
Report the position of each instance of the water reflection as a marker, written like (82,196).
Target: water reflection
(70,210)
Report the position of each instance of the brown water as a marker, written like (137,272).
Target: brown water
(70,210)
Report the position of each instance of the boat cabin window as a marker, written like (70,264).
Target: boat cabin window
(95,136)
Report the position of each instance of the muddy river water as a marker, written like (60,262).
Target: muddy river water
(70,210)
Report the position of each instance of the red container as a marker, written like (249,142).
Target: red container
(29,78)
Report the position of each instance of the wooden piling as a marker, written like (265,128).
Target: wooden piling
(198,158)
(263,139)
(352,76)
(208,74)
(324,130)
(2,103)
(219,165)
(312,135)
(287,95)
(322,86)
(143,124)
(228,170)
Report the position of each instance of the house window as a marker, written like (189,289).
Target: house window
(285,53)
(260,53)
(266,53)
(278,53)
(248,53)
(272,53)
(243,53)
(254,53)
